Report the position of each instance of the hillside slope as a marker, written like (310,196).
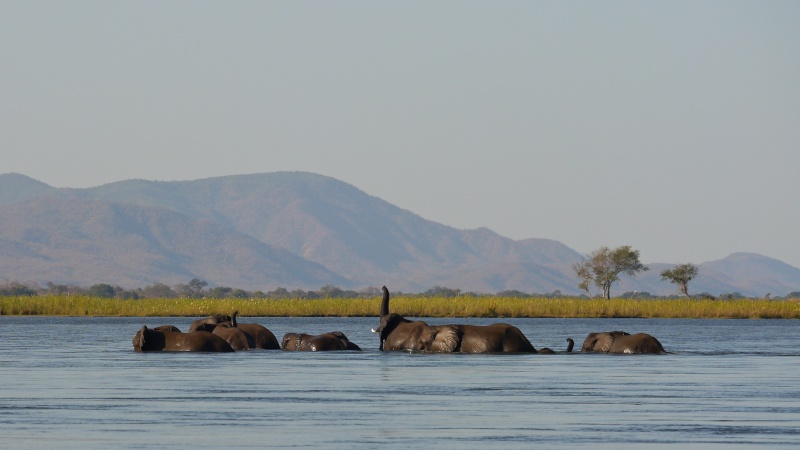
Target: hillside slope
(88,241)
(359,236)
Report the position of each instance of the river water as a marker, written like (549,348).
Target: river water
(77,383)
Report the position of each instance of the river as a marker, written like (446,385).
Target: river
(77,383)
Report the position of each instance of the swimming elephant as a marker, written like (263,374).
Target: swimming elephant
(621,342)
(237,338)
(399,333)
(208,323)
(317,343)
(395,331)
(257,335)
(150,340)
(547,351)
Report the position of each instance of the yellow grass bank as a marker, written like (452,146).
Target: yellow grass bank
(494,307)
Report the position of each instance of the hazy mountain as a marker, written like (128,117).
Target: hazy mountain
(352,233)
(757,274)
(87,241)
(16,188)
(295,230)
(336,220)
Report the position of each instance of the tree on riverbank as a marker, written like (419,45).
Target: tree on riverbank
(604,266)
(681,275)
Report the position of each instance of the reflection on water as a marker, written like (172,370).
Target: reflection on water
(77,383)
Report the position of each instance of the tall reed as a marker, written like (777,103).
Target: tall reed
(411,306)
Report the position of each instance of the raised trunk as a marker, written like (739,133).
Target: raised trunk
(385,303)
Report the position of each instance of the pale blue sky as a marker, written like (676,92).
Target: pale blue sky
(673,127)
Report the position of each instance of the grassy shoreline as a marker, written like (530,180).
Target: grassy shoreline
(489,307)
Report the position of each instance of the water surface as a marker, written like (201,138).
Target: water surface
(77,383)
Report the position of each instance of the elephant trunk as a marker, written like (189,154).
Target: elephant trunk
(233,319)
(570,344)
(383,318)
(385,302)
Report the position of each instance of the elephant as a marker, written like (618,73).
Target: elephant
(335,340)
(167,328)
(148,340)
(208,323)
(547,351)
(399,333)
(234,335)
(259,335)
(621,342)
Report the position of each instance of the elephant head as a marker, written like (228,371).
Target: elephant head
(143,338)
(208,323)
(395,331)
(292,341)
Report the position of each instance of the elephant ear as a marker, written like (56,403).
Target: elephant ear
(607,342)
(445,340)
(140,337)
(387,325)
(285,341)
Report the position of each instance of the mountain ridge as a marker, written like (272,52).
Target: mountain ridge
(276,225)
(89,241)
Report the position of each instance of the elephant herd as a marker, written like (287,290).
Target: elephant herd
(222,333)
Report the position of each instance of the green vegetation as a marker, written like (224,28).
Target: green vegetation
(604,266)
(681,275)
(409,306)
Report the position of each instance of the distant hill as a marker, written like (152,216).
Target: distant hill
(15,188)
(88,241)
(754,273)
(749,274)
(294,230)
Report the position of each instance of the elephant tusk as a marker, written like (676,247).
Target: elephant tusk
(374,330)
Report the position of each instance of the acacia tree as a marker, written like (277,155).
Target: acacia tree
(195,288)
(681,275)
(101,290)
(584,271)
(604,266)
